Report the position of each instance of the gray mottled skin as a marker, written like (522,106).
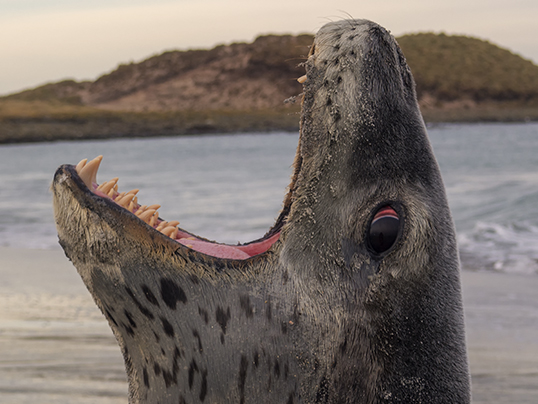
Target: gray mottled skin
(319,318)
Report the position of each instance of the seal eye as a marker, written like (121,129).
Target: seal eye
(383,229)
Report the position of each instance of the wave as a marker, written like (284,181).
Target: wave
(511,248)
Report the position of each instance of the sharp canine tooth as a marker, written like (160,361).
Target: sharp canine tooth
(125,200)
(108,185)
(147,214)
(140,210)
(113,192)
(170,232)
(81,165)
(302,79)
(167,231)
(88,173)
(162,225)
(133,204)
(153,219)
(173,223)
(133,191)
(154,207)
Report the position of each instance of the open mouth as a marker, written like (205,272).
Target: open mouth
(87,171)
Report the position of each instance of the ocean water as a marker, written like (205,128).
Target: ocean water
(56,347)
(230,188)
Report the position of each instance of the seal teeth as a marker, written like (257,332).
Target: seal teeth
(134,204)
(106,186)
(147,214)
(161,225)
(113,191)
(141,209)
(125,200)
(153,219)
(81,165)
(88,171)
(170,231)
(128,200)
(302,79)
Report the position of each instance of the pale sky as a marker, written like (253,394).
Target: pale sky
(50,40)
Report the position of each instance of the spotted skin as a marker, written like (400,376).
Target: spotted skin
(320,317)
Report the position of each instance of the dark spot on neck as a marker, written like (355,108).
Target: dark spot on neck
(196,335)
(222,318)
(172,293)
(276,369)
(110,317)
(146,377)
(290,399)
(203,386)
(193,367)
(129,330)
(156,369)
(244,303)
(143,310)
(149,295)
(167,327)
(204,314)
(243,366)
(129,318)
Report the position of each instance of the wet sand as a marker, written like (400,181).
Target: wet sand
(55,346)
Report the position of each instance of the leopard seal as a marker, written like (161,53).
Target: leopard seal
(352,297)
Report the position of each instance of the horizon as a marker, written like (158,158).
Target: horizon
(73,40)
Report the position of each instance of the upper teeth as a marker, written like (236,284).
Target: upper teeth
(88,172)
(149,214)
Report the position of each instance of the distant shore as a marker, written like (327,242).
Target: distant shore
(88,124)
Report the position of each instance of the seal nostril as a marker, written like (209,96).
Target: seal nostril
(329,101)
(339,80)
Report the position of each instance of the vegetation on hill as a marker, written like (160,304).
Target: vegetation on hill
(455,67)
(242,86)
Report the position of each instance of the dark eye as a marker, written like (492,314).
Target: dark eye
(383,229)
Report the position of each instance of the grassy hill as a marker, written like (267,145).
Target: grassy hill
(455,67)
(243,86)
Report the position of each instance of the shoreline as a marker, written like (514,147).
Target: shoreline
(93,124)
(49,320)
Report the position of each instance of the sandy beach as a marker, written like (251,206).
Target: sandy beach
(55,347)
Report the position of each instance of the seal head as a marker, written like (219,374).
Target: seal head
(352,297)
